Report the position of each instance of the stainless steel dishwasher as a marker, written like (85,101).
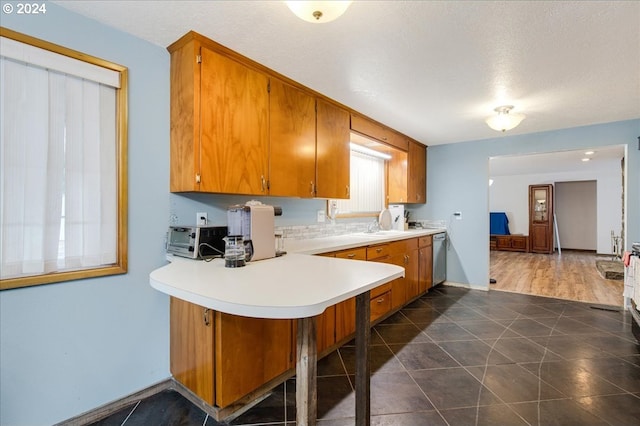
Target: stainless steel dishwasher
(439,257)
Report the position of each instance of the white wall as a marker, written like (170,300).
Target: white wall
(70,347)
(458,175)
(510,194)
(576,207)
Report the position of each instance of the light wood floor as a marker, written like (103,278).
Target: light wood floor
(571,276)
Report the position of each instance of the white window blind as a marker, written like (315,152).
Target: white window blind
(367,185)
(58,184)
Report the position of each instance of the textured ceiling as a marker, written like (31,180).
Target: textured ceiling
(433,70)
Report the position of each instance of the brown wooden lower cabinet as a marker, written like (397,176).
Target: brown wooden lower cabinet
(191,349)
(224,358)
(248,353)
(425,254)
(510,242)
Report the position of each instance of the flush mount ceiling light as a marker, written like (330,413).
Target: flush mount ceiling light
(504,121)
(318,11)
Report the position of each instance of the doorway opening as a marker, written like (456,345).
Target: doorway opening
(589,206)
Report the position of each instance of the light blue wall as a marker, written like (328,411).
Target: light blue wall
(457,180)
(70,347)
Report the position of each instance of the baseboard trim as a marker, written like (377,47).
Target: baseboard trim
(117,405)
(224,414)
(469,286)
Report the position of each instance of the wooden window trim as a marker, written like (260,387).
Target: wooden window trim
(121,264)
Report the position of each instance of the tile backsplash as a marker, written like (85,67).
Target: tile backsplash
(301,232)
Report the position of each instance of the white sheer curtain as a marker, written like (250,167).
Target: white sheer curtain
(58,157)
(367,185)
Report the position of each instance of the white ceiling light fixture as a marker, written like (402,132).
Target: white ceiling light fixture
(504,120)
(318,11)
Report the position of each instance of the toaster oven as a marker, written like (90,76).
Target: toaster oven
(196,242)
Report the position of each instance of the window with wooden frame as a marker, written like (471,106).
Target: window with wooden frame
(63,163)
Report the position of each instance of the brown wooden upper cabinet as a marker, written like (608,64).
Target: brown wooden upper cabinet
(309,145)
(292,159)
(237,128)
(541,218)
(417,173)
(407,175)
(407,168)
(375,130)
(219,122)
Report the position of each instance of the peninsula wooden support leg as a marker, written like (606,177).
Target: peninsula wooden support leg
(363,368)
(306,378)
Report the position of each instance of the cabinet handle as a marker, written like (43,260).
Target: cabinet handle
(351,255)
(205,317)
(406,259)
(311,187)
(380,300)
(197,177)
(263,183)
(378,250)
(348,192)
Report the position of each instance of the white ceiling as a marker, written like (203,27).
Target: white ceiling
(433,70)
(556,162)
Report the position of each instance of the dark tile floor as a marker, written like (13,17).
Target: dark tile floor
(462,357)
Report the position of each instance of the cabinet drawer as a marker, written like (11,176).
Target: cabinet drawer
(380,305)
(377,252)
(384,288)
(425,241)
(403,246)
(359,253)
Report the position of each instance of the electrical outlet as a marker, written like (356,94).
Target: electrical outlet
(458,215)
(202,218)
(321,216)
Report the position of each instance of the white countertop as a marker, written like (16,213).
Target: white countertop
(296,285)
(347,241)
(291,286)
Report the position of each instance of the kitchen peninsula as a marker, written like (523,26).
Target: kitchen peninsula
(296,286)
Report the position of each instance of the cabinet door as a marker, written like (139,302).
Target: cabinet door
(234,126)
(541,218)
(191,347)
(397,183)
(326,329)
(249,352)
(425,280)
(185,118)
(399,285)
(412,273)
(346,310)
(519,243)
(417,185)
(292,141)
(332,151)
(503,242)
